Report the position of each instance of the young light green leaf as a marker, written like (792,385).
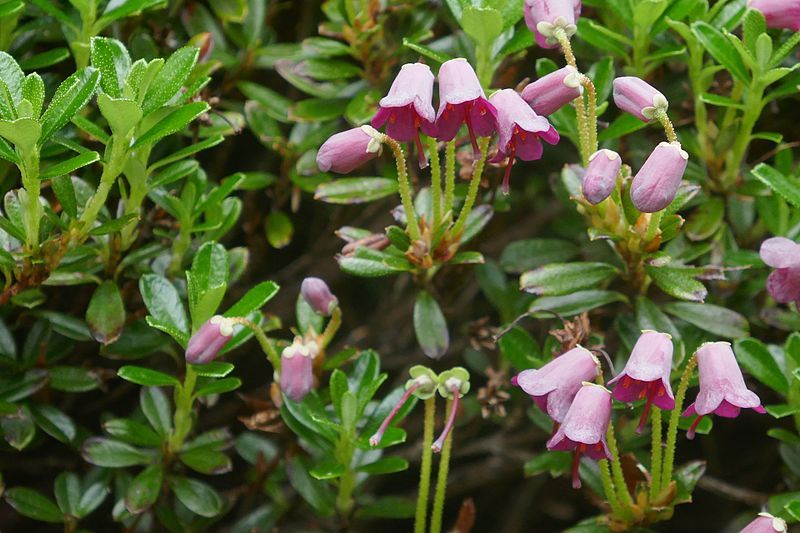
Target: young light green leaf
(170,78)
(69,98)
(721,49)
(175,121)
(111,58)
(64,168)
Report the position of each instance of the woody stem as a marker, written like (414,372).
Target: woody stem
(404,187)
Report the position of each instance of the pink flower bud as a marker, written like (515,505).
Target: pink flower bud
(317,294)
(553,91)
(584,428)
(519,130)
(554,385)
(543,17)
(600,177)
(408,107)
(348,150)
(297,368)
(765,523)
(779,13)
(646,374)
(722,388)
(784,255)
(205,344)
(638,97)
(462,100)
(655,185)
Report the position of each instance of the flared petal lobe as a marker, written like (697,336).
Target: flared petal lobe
(585,423)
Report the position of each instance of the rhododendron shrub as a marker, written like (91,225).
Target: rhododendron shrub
(468,265)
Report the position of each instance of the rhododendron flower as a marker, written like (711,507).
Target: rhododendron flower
(462,100)
(520,131)
(348,150)
(722,388)
(554,385)
(584,428)
(784,255)
(544,17)
(638,97)
(600,177)
(297,368)
(646,374)
(318,296)
(783,14)
(553,91)
(656,184)
(765,523)
(408,107)
(206,343)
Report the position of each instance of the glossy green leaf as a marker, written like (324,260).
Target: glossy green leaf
(355,190)
(112,453)
(157,409)
(198,497)
(721,49)
(33,504)
(564,278)
(712,318)
(175,121)
(163,302)
(575,303)
(144,490)
(69,98)
(520,256)
(430,326)
(759,362)
(146,376)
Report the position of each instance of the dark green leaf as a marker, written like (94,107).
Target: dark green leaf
(144,490)
(69,98)
(146,376)
(575,303)
(564,278)
(105,315)
(355,190)
(754,356)
(112,453)
(712,318)
(198,497)
(430,326)
(33,504)
(520,256)
(157,409)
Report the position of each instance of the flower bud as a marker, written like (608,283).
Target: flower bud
(204,346)
(784,255)
(655,185)
(779,13)
(550,93)
(765,523)
(638,98)
(543,17)
(297,368)
(600,177)
(317,295)
(348,150)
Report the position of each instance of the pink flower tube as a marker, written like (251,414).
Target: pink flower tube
(297,369)
(544,17)
(656,184)
(765,523)
(346,151)
(210,338)
(638,97)
(784,256)
(553,91)
(600,177)
(318,296)
(783,14)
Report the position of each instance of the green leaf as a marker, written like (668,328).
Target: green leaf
(111,58)
(70,165)
(67,489)
(706,220)
(384,465)
(69,98)
(54,422)
(313,491)
(122,114)
(677,280)
(254,299)
(192,149)
(276,105)
(720,101)
(483,25)
(621,126)
(114,225)
(18,427)
(12,75)
(214,369)
(105,315)
(430,326)
(198,497)
(602,38)
(355,190)
(170,78)
(219,386)
(520,256)
(556,463)
(712,318)
(787,187)
(754,356)
(519,348)
(72,379)
(388,507)
(65,193)
(33,92)
(112,453)
(144,490)
(575,303)
(175,121)
(146,376)
(328,469)
(118,9)
(782,410)
(132,432)
(206,282)
(563,278)
(33,504)
(157,409)
(430,53)
(721,49)
(24,133)
(279,229)
(163,302)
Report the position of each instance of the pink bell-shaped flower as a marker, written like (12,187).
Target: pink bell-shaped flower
(462,100)
(553,91)
(206,343)
(722,388)
(543,17)
(584,428)
(347,150)
(765,523)
(600,177)
(297,368)
(656,184)
(408,107)
(318,296)
(554,386)
(520,131)
(646,374)
(784,256)
(783,14)
(638,98)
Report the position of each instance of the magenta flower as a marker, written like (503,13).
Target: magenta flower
(453,384)
(783,14)
(423,384)
(553,91)
(347,150)
(638,97)
(318,296)
(584,428)
(408,107)
(297,368)
(544,17)
(520,131)
(765,523)
(784,255)
(600,177)
(646,374)
(205,344)
(655,185)
(462,100)
(722,388)
(554,386)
